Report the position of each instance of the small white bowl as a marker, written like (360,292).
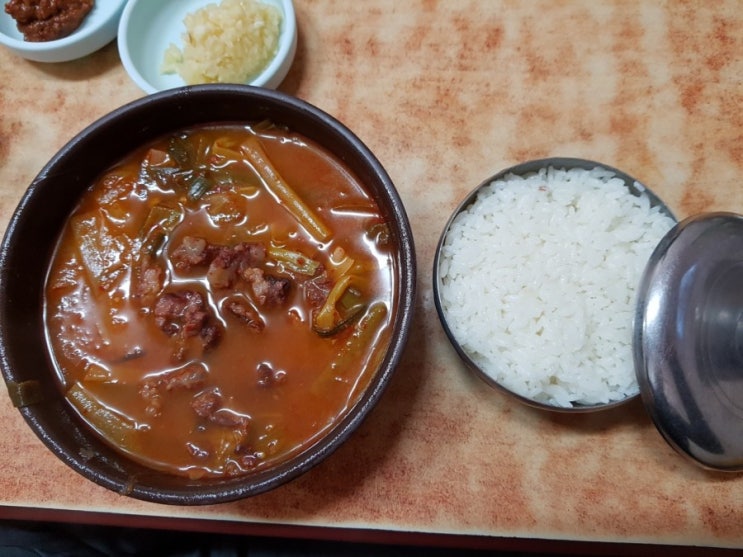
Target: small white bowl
(96,31)
(147,28)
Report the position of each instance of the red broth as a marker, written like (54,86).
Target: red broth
(220,298)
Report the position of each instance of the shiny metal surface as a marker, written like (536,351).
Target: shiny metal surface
(688,342)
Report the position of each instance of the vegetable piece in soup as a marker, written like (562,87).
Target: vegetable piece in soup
(220,298)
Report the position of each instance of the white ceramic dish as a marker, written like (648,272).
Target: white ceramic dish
(96,31)
(148,27)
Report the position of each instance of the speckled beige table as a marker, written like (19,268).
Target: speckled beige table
(447,93)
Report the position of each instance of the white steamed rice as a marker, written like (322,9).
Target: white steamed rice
(538,279)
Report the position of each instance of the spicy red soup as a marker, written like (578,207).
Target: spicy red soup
(220,299)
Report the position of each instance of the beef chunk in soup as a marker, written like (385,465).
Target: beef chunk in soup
(223,269)
(230,262)
(316,290)
(181,312)
(268,290)
(209,405)
(231,438)
(150,283)
(246,313)
(194,252)
(191,253)
(184,314)
(206,403)
(190,377)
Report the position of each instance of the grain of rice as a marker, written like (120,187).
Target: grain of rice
(538,279)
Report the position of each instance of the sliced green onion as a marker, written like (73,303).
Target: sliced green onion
(198,187)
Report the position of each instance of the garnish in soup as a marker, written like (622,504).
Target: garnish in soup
(220,298)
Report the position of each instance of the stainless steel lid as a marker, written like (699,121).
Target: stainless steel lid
(688,344)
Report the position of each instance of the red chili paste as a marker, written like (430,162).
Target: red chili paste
(48,20)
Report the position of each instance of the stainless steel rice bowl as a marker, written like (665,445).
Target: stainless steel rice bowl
(534,280)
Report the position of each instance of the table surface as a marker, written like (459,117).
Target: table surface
(447,93)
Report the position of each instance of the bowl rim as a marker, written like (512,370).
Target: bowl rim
(218,491)
(522,169)
(270,77)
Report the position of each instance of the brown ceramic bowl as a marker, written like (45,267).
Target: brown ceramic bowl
(31,237)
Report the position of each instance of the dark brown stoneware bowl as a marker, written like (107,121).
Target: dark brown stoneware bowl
(31,236)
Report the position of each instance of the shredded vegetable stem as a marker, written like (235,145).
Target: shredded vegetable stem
(325,318)
(119,429)
(255,153)
(364,333)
